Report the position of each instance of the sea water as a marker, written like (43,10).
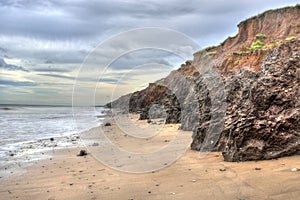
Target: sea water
(30,125)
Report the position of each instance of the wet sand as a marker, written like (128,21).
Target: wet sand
(68,176)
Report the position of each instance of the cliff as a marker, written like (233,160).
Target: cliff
(263,110)
(249,110)
(255,37)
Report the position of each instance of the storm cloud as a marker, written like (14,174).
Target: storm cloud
(43,40)
(65,31)
(79,19)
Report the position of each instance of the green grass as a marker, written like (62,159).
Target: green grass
(211,53)
(256,45)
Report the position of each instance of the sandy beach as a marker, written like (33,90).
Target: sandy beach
(149,100)
(68,176)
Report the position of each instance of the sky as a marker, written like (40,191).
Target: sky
(46,46)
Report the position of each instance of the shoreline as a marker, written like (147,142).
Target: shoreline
(20,153)
(67,176)
(27,153)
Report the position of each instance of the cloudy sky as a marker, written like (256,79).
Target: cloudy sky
(44,44)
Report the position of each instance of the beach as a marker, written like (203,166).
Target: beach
(67,176)
(154,100)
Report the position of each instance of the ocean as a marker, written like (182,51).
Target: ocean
(26,130)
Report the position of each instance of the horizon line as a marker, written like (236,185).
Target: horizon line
(50,105)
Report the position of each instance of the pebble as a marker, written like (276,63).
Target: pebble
(294,169)
(82,153)
(95,144)
(257,168)
(107,124)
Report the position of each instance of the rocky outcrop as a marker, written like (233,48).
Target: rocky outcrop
(263,110)
(166,106)
(170,93)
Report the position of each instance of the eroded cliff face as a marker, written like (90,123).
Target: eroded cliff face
(255,37)
(253,101)
(263,110)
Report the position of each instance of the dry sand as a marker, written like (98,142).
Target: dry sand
(67,176)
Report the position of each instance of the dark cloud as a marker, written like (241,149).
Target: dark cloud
(108,80)
(17,83)
(48,24)
(90,22)
(55,19)
(61,33)
(51,69)
(10,67)
(103,80)
(131,9)
(58,76)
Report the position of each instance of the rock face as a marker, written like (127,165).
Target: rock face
(241,97)
(263,110)
(171,93)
